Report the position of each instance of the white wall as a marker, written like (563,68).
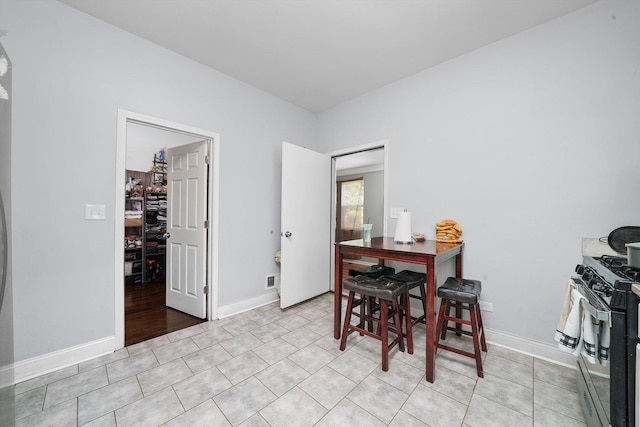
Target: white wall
(71,74)
(530,144)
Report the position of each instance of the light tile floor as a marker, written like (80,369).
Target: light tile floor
(268,367)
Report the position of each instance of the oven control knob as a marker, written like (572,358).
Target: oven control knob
(579,268)
(587,275)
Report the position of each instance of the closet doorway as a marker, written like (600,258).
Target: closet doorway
(142,306)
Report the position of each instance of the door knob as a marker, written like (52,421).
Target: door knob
(287,234)
(167,235)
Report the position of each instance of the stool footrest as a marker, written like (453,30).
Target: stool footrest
(459,331)
(419,319)
(457,320)
(362,331)
(390,312)
(457,350)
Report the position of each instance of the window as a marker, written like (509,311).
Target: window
(350,215)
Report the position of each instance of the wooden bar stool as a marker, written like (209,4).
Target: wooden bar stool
(463,294)
(371,271)
(387,292)
(413,279)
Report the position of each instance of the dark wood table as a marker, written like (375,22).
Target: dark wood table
(428,253)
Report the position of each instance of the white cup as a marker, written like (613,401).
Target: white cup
(366,232)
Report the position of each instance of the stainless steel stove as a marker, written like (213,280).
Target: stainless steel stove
(608,392)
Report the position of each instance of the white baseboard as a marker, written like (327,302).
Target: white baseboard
(246,305)
(6,377)
(540,350)
(30,368)
(36,366)
(544,351)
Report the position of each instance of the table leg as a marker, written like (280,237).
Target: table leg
(430,320)
(337,294)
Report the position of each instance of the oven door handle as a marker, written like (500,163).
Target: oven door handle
(599,313)
(604,316)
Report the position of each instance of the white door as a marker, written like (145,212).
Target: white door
(186,230)
(305,268)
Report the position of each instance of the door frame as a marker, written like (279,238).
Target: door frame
(384,145)
(125,117)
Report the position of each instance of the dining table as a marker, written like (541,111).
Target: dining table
(428,253)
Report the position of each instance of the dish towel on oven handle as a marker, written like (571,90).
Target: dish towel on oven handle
(595,341)
(605,338)
(568,332)
(588,337)
(577,330)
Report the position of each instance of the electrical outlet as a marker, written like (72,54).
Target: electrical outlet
(395,212)
(486,306)
(95,212)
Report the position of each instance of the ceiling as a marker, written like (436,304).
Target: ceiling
(319,53)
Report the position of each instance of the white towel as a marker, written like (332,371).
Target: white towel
(588,338)
(605,338)
(568,333)
(596,336)
(579,333)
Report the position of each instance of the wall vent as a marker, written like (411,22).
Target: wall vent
(272,281)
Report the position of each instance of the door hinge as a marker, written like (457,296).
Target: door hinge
(206,224)
(206,289)
(206,159)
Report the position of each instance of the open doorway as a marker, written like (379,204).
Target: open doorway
(359,194)
(149,312)
(141,143)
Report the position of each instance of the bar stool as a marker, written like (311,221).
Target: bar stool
(372,271)
(387,292)
(413,279)
(463,294)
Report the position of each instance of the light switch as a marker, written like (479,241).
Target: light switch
(395,212)
(95,212)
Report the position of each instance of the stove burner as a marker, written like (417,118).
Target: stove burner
(619,266)
(629,272)
(613,262)
(595,282)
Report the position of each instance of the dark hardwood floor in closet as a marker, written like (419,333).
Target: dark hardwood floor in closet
(146,315)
